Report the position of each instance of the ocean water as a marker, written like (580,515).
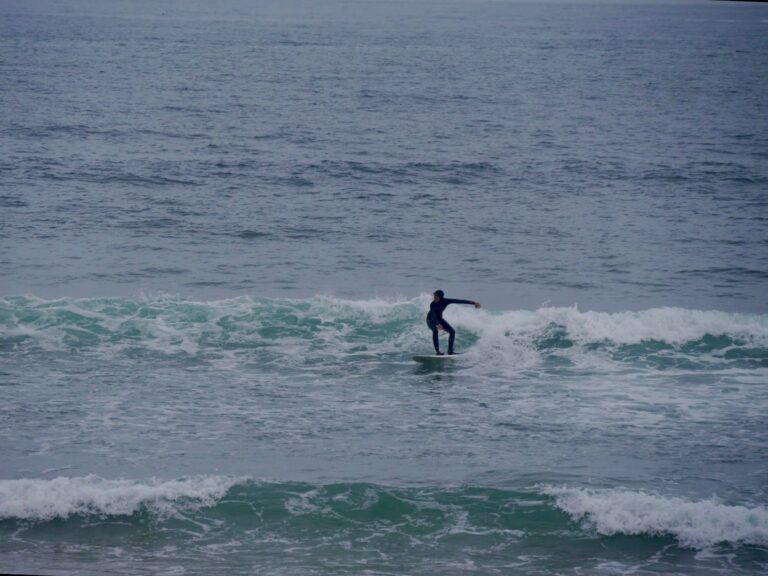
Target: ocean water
(220,223)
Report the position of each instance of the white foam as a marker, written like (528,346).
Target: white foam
(512,340)
(36,499)
(375,307)
(672,325)
(696,524)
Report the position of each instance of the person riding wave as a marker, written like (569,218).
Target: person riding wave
(436,322)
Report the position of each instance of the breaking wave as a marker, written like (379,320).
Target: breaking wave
(334,328)
(42,500)
(694,524)
(426,515)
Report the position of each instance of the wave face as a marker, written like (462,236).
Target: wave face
(350,527)
(327,330)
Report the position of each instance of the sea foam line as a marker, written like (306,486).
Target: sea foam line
(695,524)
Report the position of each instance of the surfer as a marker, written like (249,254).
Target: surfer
(436,322)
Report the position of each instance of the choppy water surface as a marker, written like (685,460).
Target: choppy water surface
(612,156)
(218,230)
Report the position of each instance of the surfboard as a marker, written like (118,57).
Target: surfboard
(428,357)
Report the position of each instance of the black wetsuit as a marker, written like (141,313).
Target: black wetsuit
(435,317)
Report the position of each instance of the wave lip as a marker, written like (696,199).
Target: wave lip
(699,524)
(62,497)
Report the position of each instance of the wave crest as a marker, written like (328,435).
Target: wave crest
(694,524)
(41,500)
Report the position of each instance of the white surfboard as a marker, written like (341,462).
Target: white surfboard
(428,357)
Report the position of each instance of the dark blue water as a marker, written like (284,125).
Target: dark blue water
(219,226)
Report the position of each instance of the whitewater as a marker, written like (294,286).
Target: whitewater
(221,224)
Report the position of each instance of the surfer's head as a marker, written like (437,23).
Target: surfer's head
(438,294)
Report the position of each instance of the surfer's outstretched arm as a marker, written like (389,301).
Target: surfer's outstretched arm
(457,301)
